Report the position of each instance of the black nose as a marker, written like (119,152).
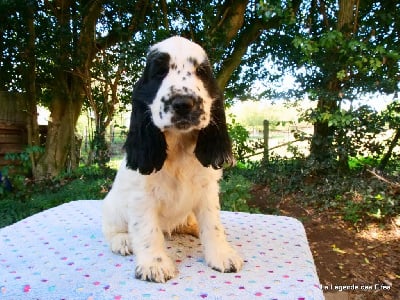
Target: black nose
(182,105)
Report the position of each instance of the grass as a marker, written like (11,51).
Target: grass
(29,198)
(86,183)
(358,196)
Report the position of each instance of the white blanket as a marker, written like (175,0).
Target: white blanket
(61,254)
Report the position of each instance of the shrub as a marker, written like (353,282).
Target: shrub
(235,192)
(33,197)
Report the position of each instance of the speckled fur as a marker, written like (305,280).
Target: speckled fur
(148,198)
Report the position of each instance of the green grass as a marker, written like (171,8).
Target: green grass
(93,183)
(358,196)
(85,184)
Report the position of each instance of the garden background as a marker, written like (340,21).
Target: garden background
(324,74)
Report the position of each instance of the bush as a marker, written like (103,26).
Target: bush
(358,197)
(371,203)
(34,197)
(235,192)
(13,177)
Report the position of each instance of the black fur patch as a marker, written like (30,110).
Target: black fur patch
(145,145)
(213,146)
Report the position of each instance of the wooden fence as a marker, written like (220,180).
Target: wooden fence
(271,143)
(13,133)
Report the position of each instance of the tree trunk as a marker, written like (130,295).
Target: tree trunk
(61,141)
(322,148)
(99,144)
(30,86)
(388,154)
(347,24)
(67,89)
(346,15)
(321,142)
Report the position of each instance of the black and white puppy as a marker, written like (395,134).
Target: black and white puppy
(175,149)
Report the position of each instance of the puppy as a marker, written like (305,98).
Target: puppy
(175,149)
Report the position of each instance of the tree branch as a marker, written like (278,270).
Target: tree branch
(91,13)
(164,9)
(392,184)
(231,19)
(324,14)
(244,37)
(125,34)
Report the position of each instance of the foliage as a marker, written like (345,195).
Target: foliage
(100,147)
(358,197)
(33,197)
(89,54)
(337,51)
(13,176)
(354,133)
(23,159)
(50,49)
(364,49)
(358,133)
(235,194)
(240,140)
(54,52)
(370,206)
(392,117)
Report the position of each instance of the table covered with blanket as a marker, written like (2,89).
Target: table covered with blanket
(61,254)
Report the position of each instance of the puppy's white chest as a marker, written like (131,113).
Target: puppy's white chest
(173,193)
(177,192)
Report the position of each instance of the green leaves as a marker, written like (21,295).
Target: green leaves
(307,46)
(331,39)
(391,115)
(235,192)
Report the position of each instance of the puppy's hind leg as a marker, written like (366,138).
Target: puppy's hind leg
(189,227)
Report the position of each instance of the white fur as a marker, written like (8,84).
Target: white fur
(178,79)
(139,209)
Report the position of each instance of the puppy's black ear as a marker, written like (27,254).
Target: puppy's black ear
(145,146)
(213,144)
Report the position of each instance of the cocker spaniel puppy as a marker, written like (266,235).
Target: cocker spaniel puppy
(175,149)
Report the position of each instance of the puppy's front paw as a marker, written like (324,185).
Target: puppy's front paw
(159,269)
(225,260)
(120,243)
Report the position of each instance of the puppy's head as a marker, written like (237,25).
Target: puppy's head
(177,92)
(185,95)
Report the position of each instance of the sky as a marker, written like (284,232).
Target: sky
(375,100)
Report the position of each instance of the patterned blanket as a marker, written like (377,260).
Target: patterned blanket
(61,254)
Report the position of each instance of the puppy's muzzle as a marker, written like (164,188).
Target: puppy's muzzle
(183,105)
(187,111)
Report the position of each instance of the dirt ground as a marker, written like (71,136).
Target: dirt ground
(352,263)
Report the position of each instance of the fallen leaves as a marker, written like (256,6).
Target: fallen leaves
(347,255)
(338,250)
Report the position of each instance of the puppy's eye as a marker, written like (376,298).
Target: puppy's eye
(159,65)
(202,70)
(161,71)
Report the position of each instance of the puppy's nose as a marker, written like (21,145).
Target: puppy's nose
(183,105)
